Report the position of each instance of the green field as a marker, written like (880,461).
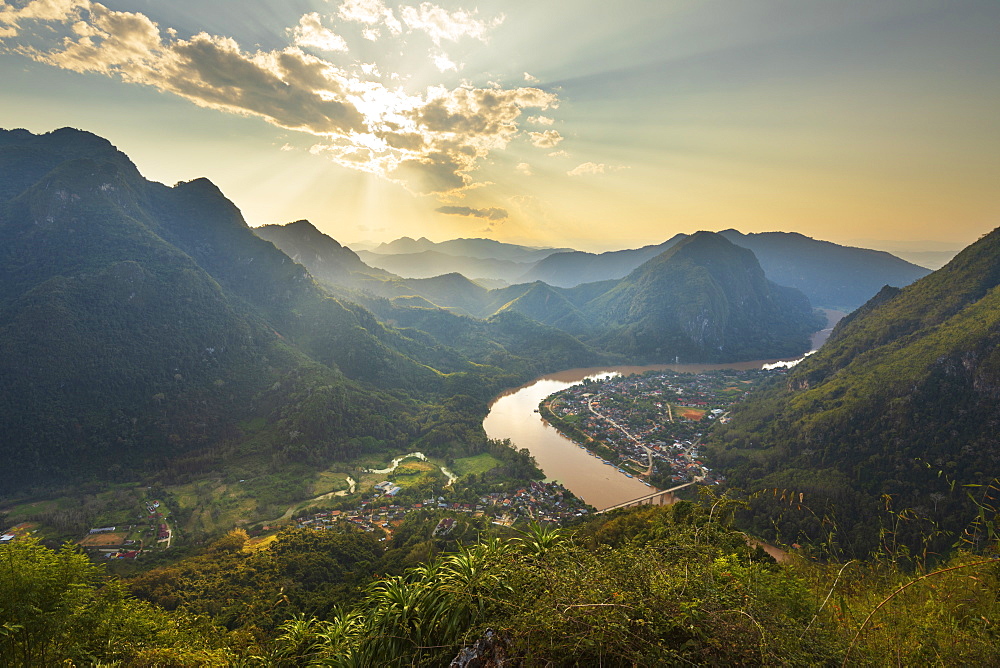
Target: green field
(474,465)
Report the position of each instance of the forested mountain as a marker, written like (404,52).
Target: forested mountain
(902,400)
(326,259)
(704,299)
(141,324)
(830,275)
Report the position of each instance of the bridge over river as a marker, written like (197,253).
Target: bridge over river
(656,498)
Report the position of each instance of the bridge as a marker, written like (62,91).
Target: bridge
(656,498)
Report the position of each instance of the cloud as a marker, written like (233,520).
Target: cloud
(547,139)
(431,141)
(540,120)
(440,24)
(559,154)
(594,168)
(444,63)
(489,214)
(370,12)
(310,32)
(530,79)
(524,168)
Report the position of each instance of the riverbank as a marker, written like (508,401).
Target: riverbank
(514,415)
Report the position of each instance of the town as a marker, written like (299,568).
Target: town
(538,502)
(650,426)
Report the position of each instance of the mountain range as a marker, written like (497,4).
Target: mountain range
(145,326)
(830,275)
(702,298)
(141,325)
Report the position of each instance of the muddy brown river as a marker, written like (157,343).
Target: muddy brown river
(513,415)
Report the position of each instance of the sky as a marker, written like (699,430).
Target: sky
(592,124)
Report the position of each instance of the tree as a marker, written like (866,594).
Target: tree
(55,608)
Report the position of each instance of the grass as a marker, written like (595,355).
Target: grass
(18,513)
(476,465)
(211,506)
(414,472)
(328,481)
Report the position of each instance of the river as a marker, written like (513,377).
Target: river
(512,415)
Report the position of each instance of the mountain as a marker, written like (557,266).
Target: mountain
(141,323)
(483,249)
(326,259)
(426,264)
(474,258)
(569,269)
(830,275)
(704,299)
(430,318)
(902,400)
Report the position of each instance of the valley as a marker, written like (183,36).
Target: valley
(199,405)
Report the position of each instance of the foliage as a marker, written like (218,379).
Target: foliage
(302,572)
(642,586)
(56,607)
(901,401)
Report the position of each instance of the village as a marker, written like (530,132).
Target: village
(151,530)
(650,426)
(537,501)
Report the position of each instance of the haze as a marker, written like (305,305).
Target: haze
(592,124)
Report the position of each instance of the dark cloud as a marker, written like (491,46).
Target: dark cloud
(493,213)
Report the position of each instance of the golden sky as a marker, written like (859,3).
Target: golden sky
(589,124)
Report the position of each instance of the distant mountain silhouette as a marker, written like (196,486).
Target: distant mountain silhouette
(428,263)
(572,268)
(475,248)
(832,276)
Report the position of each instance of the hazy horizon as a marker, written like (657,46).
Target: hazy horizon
(592,126)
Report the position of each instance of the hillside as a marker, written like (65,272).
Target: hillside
(830,275)
(704,299)
(572,268)
(140,324)
(326,259)
(902,400)
(650,586)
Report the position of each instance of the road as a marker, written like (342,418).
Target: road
(649,452)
